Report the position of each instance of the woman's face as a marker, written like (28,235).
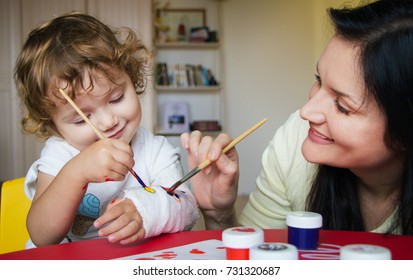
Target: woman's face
(114,109)
(346,128)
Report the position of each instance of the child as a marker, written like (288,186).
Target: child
(80,186)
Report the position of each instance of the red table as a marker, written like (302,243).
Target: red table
(330,242)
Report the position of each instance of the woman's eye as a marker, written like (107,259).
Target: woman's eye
(117,100)
(340,108)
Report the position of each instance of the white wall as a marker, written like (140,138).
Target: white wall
(269,59)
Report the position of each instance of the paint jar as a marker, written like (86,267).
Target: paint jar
(364,252)
(303,229)
(239,240)
(274,251)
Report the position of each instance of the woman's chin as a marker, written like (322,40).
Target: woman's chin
(312,155)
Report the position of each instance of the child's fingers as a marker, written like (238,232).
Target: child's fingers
(109,215)
(131,233)
(123,228)
(119,214)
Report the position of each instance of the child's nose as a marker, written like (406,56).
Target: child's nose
(106,120)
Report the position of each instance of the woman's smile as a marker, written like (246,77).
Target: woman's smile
(319,138)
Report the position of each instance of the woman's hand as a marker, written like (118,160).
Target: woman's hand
(215,187)
(121,222)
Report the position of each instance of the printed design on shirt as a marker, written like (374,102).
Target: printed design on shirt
(87,213)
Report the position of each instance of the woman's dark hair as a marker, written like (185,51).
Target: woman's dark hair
(383,31)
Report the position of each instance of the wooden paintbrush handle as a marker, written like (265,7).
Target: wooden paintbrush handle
(207,162)
(84,117)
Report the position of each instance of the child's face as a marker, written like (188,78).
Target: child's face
(113,108)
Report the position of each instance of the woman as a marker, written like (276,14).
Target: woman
(349,157)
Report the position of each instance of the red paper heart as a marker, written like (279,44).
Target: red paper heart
(196,251)
(167,255)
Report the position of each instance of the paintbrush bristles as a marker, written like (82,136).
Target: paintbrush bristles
(189,175)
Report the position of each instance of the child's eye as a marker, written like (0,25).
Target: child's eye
(341,108)
(317,78)
(117,100)
(79,122)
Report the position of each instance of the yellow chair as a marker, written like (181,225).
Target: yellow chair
(14,208)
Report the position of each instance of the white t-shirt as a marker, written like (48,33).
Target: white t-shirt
(157,164)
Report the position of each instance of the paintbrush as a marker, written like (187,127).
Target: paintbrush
(98,133)
(207,162)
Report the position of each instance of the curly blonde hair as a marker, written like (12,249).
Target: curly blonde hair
(62,49)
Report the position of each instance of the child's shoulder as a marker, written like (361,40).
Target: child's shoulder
(58,147)
(144,135)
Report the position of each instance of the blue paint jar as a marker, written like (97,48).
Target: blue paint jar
(303,229)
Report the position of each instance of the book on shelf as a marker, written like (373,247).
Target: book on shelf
(184,75)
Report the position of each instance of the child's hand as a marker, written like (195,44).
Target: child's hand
(124,222)
(104,160)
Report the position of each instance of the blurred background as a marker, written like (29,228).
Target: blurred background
(269,49)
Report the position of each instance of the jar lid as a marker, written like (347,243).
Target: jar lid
(304,219)
(364,252)
(242,237)
(274,251)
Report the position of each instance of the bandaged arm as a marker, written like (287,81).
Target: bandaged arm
(162,212)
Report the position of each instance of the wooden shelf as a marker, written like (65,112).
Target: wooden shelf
(184,71)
